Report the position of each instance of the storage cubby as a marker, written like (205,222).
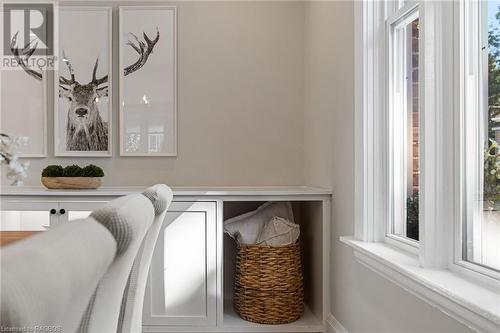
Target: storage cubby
(309,215)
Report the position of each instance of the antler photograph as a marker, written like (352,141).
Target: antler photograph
(147,81)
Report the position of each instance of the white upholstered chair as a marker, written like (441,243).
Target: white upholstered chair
(119,298)
(131,319)
(88,275)
(49,279)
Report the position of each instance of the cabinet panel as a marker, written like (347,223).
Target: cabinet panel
(22,219)
(182,280)
(27,215)
(79,210)
(16,220)
(40,215)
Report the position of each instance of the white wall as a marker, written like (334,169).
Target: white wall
(240,100)
(361,300)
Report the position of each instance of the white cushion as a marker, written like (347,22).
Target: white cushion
(278,232)
(247,227)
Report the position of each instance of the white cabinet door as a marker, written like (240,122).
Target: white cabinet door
(22,215)
(72,210)
(28,215)
(182,279)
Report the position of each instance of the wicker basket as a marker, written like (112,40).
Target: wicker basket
(269,284)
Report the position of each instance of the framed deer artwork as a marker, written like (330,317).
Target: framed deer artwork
(148,81)
(82,85)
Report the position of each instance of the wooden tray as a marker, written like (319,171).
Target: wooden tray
(71,182)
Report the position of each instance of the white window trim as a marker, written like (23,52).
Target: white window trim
(397,177)
(470,136)
(436,276)
(462,299)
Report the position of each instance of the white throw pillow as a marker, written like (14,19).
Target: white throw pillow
(247,227)
(278,232)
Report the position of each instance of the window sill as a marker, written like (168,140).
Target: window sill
(466,301)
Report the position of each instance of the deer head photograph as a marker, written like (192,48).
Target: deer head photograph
(85,128)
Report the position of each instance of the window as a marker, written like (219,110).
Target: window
(404,124)
(481,117)
(430,150)
(427,140)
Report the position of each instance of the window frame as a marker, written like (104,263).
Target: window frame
(469,15)
(441,168)
(407,10)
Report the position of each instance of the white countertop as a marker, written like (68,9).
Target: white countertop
(178,191)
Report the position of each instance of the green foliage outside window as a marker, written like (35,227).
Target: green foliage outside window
(412,216)
(492,152)
(492,176)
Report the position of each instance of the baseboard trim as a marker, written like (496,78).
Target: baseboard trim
(334,326)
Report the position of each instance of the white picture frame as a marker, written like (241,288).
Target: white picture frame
(21,124)
(93,19)
(21,101)
(160,99)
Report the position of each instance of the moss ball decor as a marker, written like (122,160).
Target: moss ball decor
(92,171)
(53,171)
(72,171)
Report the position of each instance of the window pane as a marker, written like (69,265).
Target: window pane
(405,126)
(482,229)
(414,138)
